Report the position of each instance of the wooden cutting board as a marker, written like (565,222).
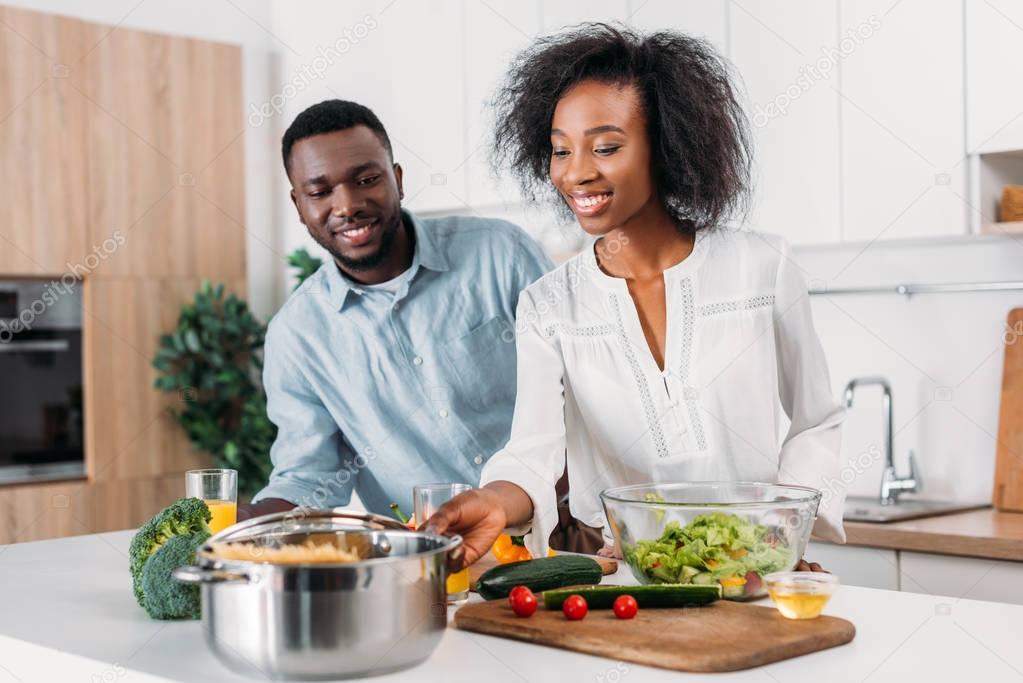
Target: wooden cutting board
(1008,493)
(725,636)
(607,566)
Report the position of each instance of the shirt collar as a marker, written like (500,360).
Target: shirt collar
(428,254)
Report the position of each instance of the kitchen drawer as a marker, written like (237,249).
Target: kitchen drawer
(961,577)
(856,565)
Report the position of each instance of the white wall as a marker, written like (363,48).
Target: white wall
(942,353)
(428,79)
(828,170)
(240,23)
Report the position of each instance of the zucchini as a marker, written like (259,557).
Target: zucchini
(652,595)
(538,575)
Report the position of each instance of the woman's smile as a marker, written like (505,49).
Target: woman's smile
(590,203)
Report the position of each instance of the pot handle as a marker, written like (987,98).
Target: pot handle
(197,575)
(455,554)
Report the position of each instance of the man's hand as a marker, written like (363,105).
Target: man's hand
(478,515)
(805,566)
(263,507)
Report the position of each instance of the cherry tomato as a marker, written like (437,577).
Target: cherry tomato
(523,602)
(625,607)
(575,607)
(518,590)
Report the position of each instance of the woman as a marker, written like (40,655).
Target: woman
(669,349)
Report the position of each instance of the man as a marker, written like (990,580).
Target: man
(393,364)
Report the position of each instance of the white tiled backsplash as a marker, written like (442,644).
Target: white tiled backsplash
(942,353)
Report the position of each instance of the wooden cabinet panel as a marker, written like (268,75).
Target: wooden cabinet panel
(165,126)
(71,508)
(128,431)
(42,161)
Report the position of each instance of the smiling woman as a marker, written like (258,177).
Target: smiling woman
(668,349)
(685,112)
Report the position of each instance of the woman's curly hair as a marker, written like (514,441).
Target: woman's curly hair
(699,136)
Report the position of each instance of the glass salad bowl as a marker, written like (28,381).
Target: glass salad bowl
(727,533)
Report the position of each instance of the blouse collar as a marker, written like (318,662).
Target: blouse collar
(687,266)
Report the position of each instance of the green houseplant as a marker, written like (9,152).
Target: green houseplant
(213,361)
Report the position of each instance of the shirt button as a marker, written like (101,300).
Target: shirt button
(442,412)
(478,460)
(397,306)
(417,360)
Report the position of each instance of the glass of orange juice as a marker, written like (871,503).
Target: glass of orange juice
(219,490)
(426,498)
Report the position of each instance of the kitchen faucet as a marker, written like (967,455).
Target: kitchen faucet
(891,484)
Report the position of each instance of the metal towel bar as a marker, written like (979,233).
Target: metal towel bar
(911,289)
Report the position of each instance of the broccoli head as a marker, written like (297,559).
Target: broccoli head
(165,597)
(182,518)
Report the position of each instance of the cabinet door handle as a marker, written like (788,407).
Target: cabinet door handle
(34,346)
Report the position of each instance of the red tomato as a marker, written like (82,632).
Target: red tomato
(625,607)
(575,607)
(523,602)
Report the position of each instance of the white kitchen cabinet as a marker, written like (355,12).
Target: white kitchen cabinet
(404,61)
(495,32)
(902,119)
(565,13)
(961,577)
(994,70)
(706,19)
(786,54)
(856,565)
(425,107)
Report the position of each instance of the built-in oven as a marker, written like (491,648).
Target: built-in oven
(41,419)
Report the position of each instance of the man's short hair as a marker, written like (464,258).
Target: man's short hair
(330,116)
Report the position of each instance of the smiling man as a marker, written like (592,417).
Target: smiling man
(394,364)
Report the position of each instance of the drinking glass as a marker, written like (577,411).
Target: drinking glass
(219,490)
(426,498)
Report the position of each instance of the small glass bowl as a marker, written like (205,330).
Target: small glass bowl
(800,595)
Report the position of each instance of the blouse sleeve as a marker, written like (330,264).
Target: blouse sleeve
(534,457)
(810,453)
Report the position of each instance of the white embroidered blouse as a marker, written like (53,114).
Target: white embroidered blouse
(742,358)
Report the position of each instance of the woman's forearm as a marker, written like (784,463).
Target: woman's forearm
(518,506)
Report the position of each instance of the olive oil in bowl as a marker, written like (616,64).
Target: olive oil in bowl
(800,595)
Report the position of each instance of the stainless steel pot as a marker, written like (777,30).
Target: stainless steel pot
(317,621)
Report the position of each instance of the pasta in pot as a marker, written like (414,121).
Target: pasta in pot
(309,552)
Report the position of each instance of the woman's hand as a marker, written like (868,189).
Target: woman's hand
(805,566)
(610,551)
(478,515)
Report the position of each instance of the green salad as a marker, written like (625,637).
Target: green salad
(713,548)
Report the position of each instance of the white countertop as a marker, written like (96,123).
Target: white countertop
(67,614)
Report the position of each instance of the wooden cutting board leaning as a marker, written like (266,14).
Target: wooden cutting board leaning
(1008,492)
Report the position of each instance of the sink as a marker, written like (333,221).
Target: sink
(871,510)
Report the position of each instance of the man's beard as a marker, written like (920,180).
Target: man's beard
(369,261)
